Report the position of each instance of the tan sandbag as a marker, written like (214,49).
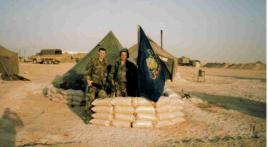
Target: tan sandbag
(103,109)
(174,95)
(178,120)
(104,116)
(145,109)
(102,102)
(54,99)
(139,101)
(165,116)
(100,122)
(166,91)
(142,124)
(53,90)
(57,95)
(122,101)
(146,116)
(124,117)
(74,92)
(75,103)
(164,123)
(69,97)
(124,109)
(121,124)
(163,101)
(77,98)
(168,109)
(63,101)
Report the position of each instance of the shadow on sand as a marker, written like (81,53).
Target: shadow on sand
(8,124)
(250,107)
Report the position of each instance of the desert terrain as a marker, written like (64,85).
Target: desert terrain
(228,109)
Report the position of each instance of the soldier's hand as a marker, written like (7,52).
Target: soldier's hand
(89,82)
(112,82)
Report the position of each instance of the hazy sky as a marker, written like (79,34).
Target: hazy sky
(212,30)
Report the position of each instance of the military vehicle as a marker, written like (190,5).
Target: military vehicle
(48,56)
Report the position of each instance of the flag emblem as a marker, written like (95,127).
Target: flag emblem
(153,66)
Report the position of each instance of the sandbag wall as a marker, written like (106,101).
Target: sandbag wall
(70,96)
(137,112)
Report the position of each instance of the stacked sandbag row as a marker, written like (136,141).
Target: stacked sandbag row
(117,112)
(103,112)
(169,112)
(70,97)
(145,113)
(137,112)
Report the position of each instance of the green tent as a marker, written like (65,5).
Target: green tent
(9,64)
(165,56)
(73,78)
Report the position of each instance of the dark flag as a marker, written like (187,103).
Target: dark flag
(151,70)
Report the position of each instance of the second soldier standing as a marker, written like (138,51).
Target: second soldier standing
(123,76)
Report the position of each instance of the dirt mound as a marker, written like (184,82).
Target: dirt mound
(249,66)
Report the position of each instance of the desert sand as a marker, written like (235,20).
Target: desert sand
(223,110)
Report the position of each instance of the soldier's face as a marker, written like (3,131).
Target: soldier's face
(123,56)
(102,54)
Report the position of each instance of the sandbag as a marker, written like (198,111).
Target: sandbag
(57,100)
(145,109)
(146,116)
(163,101)
(165,116)
(138,101)
(75,103)
(74,92)
(102,102)
(168,109)
(57,95)
(63,101)
(103,109)
(164,123)
(174,95)
(166,91)
(142,124)
(53,90)
(124,109)
(122,101)
(178,120)
(124,117)
(121,124)
(77,98)
(100,122)
(104,116)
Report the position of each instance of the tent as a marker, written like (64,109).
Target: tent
(9,64)
(165,56)
(73,78)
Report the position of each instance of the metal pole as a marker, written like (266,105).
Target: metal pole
(161,37)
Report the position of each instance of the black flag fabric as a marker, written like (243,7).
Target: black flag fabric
(151,70)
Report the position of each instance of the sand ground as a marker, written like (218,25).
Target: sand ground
(222,111)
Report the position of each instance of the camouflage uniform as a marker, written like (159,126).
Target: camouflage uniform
(97,73)
(119,78)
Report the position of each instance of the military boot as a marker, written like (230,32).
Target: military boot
(88,117)
(88,113)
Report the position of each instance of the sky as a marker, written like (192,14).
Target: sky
(208,30)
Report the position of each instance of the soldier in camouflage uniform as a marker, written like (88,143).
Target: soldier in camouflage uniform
(96,79)
(123,76)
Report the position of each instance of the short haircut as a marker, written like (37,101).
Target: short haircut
(102,49)
(126,51)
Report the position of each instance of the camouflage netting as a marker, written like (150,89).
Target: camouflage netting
(73,78)
(9,64)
